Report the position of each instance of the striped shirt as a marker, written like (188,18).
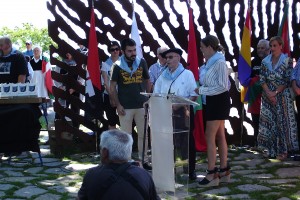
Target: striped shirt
(216,79)
(155,71)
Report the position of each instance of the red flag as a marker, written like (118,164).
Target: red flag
(200,142)
(93,65)
(284,29)
(46,70)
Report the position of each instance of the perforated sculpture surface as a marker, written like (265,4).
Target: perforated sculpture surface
(161,23)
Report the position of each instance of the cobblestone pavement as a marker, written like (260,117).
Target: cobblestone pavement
(253,177)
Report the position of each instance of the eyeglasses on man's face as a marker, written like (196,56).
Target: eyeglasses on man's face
(27,44)
(114,49)
(170,57)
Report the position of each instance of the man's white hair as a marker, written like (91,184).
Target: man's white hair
(264,42)
(38,47)
(118,143)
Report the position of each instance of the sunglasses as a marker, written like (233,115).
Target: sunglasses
(114,49)
(27,44)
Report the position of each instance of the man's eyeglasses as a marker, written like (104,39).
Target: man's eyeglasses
(170,57)
(27,43)
(114,49)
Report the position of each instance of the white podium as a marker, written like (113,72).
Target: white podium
(169,123)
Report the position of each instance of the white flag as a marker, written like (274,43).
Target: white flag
(136,36)
(89,86)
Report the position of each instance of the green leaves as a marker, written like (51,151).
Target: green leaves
(19,35)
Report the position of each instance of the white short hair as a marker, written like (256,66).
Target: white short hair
(37,47)
(118,143)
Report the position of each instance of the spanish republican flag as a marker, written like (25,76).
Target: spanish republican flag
(200,142)
(244,63)
(284,29)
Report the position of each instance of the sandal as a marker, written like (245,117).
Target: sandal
(210,183)
(224,174)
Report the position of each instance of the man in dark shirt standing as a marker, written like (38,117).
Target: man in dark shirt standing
(116,178)
(254,89)
(13,65)
(130,75)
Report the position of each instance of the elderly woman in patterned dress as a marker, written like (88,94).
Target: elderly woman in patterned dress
(277,125)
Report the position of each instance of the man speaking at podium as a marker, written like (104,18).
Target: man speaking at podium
(181,82)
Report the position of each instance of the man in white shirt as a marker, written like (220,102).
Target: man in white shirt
(181,82)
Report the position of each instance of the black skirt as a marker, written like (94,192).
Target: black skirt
(217,107)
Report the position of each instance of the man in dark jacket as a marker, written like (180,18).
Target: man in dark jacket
(116,178)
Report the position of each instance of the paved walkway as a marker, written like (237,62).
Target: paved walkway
(253,177)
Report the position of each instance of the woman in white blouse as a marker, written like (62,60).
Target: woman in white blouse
(216,103)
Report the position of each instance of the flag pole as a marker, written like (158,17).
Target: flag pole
(243,105)
(96,121)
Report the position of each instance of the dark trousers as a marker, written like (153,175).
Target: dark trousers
(110,111)
(255,120)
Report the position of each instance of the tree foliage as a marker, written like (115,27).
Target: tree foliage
(19,35)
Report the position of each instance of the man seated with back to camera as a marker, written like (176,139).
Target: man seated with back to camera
(117,178)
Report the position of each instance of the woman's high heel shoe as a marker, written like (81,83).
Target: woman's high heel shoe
(224,174)
(210,183)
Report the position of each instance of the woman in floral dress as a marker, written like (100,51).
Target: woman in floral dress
(277,124)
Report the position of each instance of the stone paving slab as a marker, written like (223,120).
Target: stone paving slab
(48,197)
(13,199)
(272,193)
(63,189)
(222,190)
(288,172)
(54,164)
(244,172)
(34,170)
(13,173)
(247,156)
(47,160)
(11,169)
(251,163)
(280,181)
(284,198)
(284,185)
(234,196)
(253,187)
(29,191)
(237,167)
(17,179)
(259,176)
(59,171)
(6,186)
(79,167)
(40,175)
